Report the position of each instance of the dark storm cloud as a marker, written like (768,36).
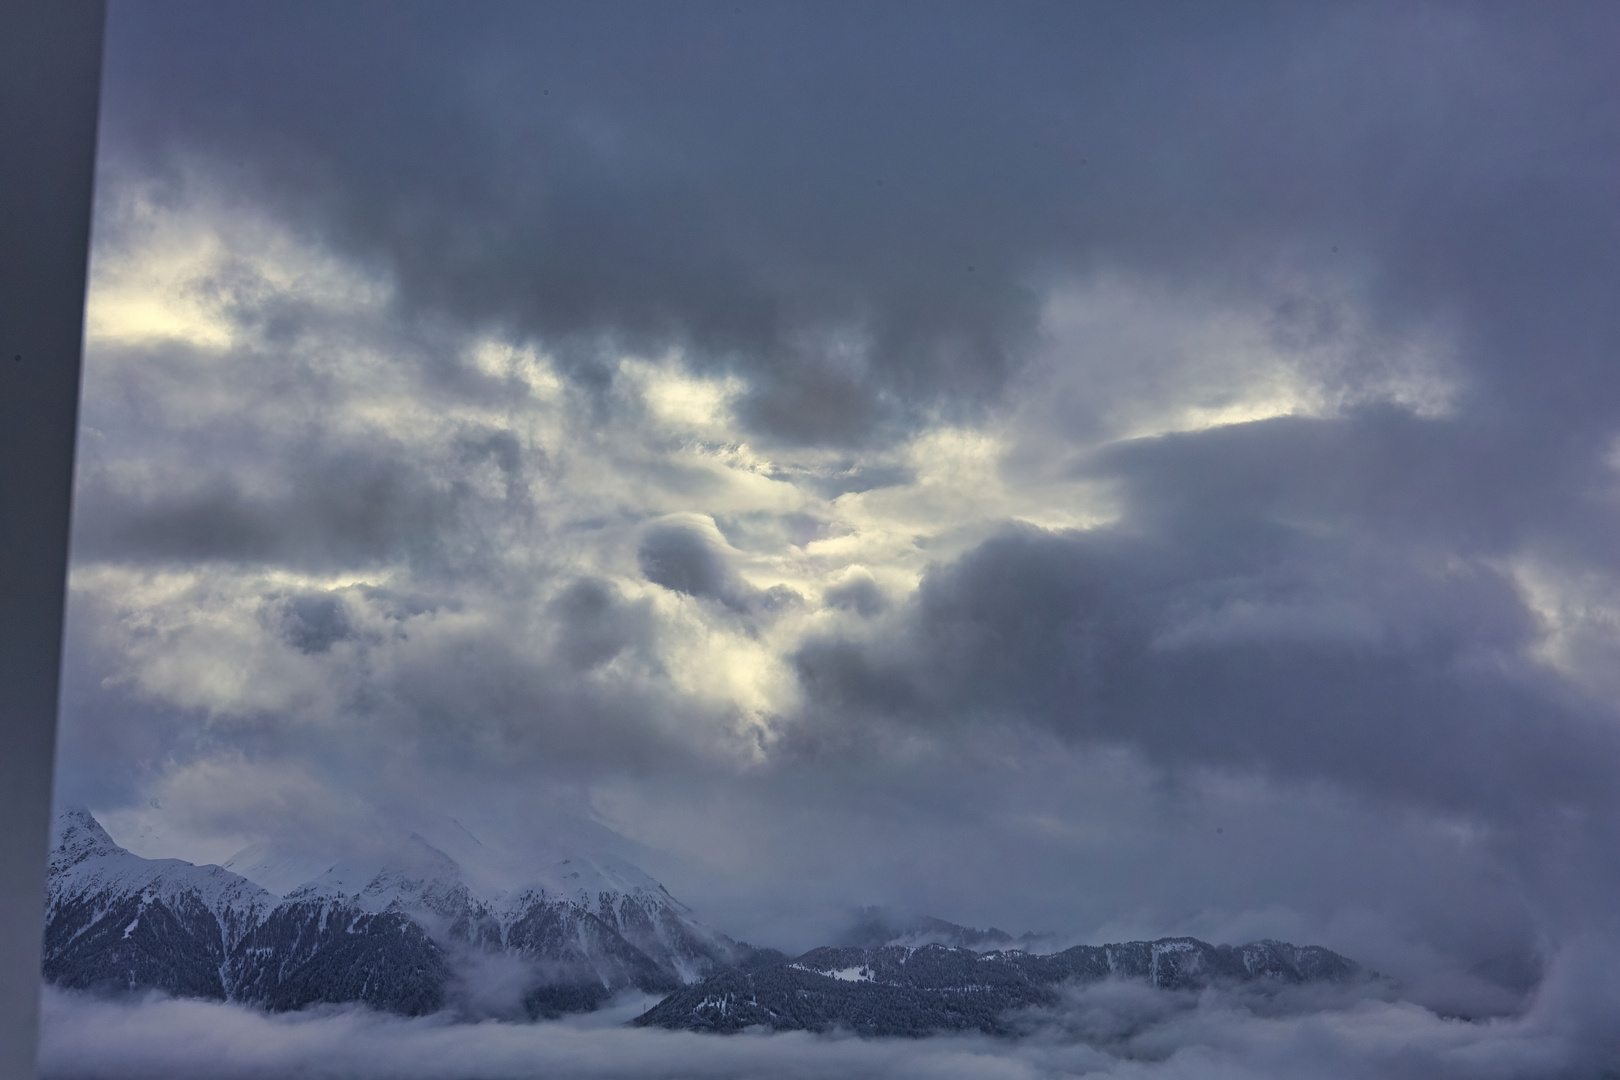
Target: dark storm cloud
(859,206)
(1303,600)
(1473,486)
(1237,627)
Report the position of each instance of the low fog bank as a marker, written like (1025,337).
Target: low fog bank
(1115,1029)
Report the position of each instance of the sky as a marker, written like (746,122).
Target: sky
(1110,470)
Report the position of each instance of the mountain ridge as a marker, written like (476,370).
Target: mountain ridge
(900,990)
(390,934)
(401,934)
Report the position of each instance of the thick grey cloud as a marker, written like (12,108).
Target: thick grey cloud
(1379,675)
(859,207)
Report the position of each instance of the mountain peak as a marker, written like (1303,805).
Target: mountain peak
(79,836)
(276,869)
(589,877)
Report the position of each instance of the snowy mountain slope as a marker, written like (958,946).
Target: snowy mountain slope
(483,895)
(586,959)
(638,909)
(116,919)
(591,927)
(85,860)
(274,869)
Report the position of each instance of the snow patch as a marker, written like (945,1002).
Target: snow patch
(849,974)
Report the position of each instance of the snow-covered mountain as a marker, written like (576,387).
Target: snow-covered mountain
(634,906)
(397,933)
(116,919)
(415,931)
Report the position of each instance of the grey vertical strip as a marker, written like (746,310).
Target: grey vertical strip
(50,79)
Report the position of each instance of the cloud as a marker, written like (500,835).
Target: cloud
(1107,1030)
(1376,673)
(860,212)
(689,559)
